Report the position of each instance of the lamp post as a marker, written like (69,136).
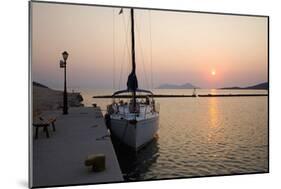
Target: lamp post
(63,65)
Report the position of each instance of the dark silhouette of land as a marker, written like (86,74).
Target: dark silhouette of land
(45,98)
(181,96)
(262,86)
(175,86)
(34,83)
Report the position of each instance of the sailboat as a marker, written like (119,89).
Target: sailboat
(136,122)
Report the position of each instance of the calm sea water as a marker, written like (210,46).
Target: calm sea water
(200,136)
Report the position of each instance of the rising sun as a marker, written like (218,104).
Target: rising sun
(213,72)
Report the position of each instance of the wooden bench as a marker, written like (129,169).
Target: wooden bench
(44,123)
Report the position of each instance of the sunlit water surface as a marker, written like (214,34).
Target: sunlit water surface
(200,136)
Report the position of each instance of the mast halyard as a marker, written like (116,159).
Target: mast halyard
(132,83)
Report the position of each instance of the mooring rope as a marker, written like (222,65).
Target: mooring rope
(151,67)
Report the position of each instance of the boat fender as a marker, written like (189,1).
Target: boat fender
(107,120)
(134,122)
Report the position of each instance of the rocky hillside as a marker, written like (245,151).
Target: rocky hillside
(45,98)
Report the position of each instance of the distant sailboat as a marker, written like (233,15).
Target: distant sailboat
(135,123)
(194,94)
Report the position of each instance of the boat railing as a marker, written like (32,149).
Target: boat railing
(124,111)
(145,112)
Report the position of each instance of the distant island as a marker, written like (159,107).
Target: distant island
(263,86)
(260,86)
(174,86)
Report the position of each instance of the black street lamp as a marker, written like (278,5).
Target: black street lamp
(63,65)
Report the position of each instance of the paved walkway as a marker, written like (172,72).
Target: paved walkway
(59,160)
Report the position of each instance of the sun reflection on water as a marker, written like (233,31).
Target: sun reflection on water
(215,131)
(213,112)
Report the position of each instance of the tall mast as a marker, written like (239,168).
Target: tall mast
(132,83)
(133,42)
(133,55)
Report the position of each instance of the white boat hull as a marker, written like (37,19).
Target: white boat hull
(135,133)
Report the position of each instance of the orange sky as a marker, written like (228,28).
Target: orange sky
(186,47)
